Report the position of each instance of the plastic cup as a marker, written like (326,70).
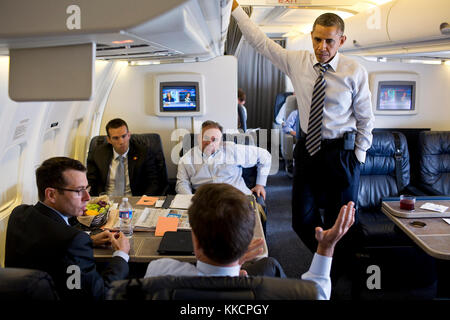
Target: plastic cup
(407,202)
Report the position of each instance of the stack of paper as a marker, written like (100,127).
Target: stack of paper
(181,201)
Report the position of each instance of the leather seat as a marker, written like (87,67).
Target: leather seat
(378,180)
(26,284)
(406,270)
(212,288)
(151,141)
(434,153)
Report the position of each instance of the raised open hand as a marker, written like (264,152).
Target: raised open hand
(328,238)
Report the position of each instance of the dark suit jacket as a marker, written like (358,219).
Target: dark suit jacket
(38,238)
(142,169)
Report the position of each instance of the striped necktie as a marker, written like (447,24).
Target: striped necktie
(314,136)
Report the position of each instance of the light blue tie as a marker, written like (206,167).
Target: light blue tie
(314,136)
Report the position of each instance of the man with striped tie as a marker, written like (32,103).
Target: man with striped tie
(335,115)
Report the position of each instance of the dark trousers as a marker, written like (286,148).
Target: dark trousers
(326,180)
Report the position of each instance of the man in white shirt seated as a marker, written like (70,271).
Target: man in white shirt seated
(214,161)
(222,221)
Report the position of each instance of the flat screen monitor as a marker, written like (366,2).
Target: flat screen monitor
(396,95)
(179,97)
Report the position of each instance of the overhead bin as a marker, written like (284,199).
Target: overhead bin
(399,24)
(185,30)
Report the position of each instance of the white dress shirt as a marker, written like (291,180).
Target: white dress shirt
(110,184)
(319,271)
(223,166)
(347,97)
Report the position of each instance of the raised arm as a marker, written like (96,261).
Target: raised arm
(320,268)
(258,39)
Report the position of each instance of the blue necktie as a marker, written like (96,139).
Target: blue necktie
(314,136)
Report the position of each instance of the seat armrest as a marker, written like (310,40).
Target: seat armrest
(413,190)
(429,191)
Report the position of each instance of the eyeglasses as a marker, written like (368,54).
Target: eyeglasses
(79,192)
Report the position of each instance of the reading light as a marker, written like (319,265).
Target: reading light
(424,61)
(445,28)
(122,41)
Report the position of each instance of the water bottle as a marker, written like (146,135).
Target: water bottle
(125,215)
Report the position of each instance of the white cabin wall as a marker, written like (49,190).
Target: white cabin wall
(34,131)
(132,99)
(434,93)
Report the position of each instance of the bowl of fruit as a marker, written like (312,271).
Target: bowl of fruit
(96,213)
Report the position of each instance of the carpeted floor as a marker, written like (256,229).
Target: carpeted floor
(282,241)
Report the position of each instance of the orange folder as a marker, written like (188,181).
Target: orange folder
(147,201)
(166,224)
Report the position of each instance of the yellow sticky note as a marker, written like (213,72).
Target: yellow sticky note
(166,224)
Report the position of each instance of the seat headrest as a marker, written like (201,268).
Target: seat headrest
(434,151)
(212,288)
(291,105)
(26,284)
(190,140)
(279,101)
(151,140)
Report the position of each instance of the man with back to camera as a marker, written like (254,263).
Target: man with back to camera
(135,164)
(40,237)
(222,222)
(336,120)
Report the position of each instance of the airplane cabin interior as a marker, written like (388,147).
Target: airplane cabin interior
(68,67)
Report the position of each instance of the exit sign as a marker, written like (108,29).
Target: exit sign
(301,2)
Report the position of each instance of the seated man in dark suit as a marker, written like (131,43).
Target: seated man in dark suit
(40,237)
(223,220)
(122,167)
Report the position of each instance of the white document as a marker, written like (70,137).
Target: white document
(145,218)
(433,207)
(149,218)
(446,220)
(159,203)
(181,201)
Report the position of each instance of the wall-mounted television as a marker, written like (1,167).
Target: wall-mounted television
(179,95)
(394,93)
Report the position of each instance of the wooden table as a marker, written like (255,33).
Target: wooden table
(431,234)
(144,244)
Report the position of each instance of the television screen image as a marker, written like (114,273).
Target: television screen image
(179,98)
(395,96)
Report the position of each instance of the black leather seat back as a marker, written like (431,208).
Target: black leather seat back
(151,141)
(378,175)
(26,284)
(434,153)
(213,288)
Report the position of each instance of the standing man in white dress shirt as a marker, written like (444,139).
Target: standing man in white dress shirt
(334,90)
(223,221)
